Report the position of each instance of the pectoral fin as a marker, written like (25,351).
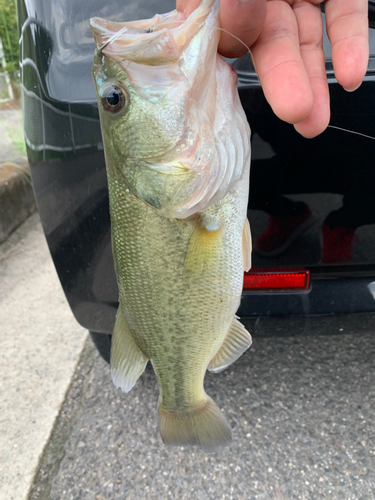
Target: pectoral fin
(236,342)
(127,360)
(246,245)
(204,248)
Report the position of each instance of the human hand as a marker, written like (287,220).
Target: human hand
(286,42)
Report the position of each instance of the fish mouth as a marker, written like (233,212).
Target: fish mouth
(175,23)
(156,41)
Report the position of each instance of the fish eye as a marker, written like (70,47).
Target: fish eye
(114,99)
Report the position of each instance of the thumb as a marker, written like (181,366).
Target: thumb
(187,6)
(242,18)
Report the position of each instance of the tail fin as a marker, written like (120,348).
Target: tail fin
(204,426)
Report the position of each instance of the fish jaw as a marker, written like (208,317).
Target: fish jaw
(156,41)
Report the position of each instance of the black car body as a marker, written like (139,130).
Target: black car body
(333,174)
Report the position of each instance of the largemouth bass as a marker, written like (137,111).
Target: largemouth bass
(177,149)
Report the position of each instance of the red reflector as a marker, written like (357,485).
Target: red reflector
(261,280)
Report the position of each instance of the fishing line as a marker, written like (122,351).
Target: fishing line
(352,132)
(117,35)
(152,29)
(113,38)
(230,34)
(238,39)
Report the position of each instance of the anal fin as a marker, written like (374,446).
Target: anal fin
(127,360)
(236,342)
(246,245)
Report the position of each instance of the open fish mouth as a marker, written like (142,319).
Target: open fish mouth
(156,41)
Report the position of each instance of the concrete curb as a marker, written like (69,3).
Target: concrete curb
(40,346)
(17,200)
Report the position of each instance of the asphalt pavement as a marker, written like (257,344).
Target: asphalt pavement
(301,409)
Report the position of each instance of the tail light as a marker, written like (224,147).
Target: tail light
(276,280)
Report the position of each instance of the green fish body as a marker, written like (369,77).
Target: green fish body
(177,148)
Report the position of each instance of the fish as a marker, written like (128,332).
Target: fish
(177,151)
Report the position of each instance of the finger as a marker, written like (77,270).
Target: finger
(310,29)
(243,19)
(187,6)
(279,64)
(347,28)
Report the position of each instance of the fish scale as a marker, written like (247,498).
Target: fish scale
(180,235)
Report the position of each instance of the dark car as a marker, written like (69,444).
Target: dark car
(312,201)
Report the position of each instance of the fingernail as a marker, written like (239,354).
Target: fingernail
(353,90)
